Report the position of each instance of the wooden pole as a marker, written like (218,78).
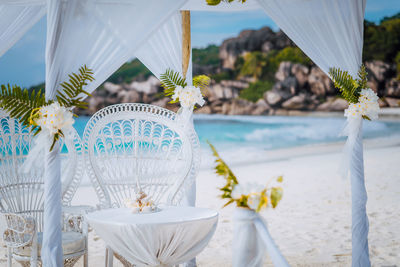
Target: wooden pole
(186,43)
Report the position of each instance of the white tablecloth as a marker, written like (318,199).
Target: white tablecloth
(171,236)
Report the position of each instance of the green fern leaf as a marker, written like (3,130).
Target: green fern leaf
(170,80)
(348,87)
(68,96)
(19,103)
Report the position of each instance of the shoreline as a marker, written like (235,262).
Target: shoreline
(384,114)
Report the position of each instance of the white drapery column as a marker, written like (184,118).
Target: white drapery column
(162,51)
(331,34)
(103,34)
(16,18)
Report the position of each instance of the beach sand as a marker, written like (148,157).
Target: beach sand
(312,224)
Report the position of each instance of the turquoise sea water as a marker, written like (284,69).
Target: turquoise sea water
(271,132)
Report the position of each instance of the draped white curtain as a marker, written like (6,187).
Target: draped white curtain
(103,34)
(331,34)
(16,18)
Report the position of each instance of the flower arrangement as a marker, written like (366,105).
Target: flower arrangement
(187,95)
(251,195)
(53,118)
(363,102)
(142,204)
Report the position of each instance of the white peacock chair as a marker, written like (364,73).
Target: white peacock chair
(136,147)
(22,201)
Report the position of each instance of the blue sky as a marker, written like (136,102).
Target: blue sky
(23,64)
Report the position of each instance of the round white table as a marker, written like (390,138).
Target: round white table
(168,237)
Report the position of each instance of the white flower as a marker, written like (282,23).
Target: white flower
(188,96)
(177,93)
(253,201)
(55,117)
(367,106)
(246,190)
(368,95)
(237,191)
(353,110)
(369,103)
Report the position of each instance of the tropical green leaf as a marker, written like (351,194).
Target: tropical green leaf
(349,87)
(69,94)
(222,169)
(276,195)
(201,81)
(19,104)
(170,80)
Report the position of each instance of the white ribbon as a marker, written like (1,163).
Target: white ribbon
(39,146)
(353,161)
(251,238)
(352,129)
(184,116)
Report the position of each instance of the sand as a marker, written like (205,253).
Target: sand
(312,224)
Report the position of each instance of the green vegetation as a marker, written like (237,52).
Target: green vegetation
(127,72)
(382,42)
(256,90)
(206,56)
(397,61)
(253,64)
(224,75)
(263,66)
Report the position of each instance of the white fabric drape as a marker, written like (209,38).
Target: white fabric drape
(331,34)
(163,49)
(251,239)
(165,238)
(102,34)
(52,253)
(16,18)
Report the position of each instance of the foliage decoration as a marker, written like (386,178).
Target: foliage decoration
(217,2)
(176,87)
(32,109)
(251,195)
(363,102)
(170,80)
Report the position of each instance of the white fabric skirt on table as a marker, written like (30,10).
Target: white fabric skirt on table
(171,236)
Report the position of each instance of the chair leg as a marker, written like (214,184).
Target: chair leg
(34,253)
(86,256)
(9,257)
(109,257)
(85,260)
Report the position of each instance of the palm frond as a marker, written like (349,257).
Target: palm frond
(170,80)
(362,77)
(69,95)
(201,81)
(348,87)
(19,104)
